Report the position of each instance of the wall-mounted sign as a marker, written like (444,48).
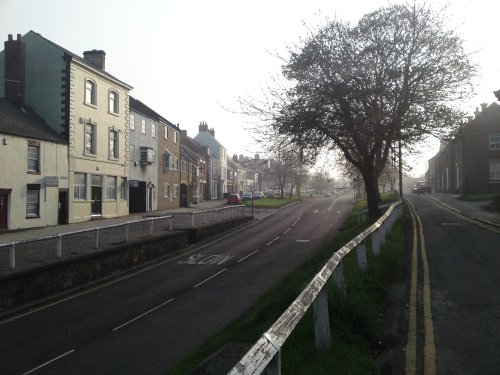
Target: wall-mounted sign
(133,183)
(51,181)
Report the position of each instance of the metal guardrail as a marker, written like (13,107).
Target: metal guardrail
(265,355)
(148,226)
(197,219)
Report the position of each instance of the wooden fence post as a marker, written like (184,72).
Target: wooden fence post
(274,367)
(59,246)
(361,252)
(12,256)
(338,277)
(96,238)
(322,320)
(376,242)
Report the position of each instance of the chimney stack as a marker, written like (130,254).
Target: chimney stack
(483,107)
(203,127)
(184,133)
(212,131)
(235,157)
(96,58)
(15,58)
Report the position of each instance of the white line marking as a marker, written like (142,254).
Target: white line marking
(269,243)
(242,259)
(288,230)
(304,241)
(140,316)
(211,277)
(49,362)
(316,211)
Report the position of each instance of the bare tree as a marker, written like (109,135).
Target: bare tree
(395,76)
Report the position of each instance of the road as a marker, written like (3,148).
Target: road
(455,327)
(147,321)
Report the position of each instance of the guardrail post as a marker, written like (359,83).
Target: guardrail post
(151,227)
(322,320)
(59,246)
(127,230)
(12,256)
(338,277)
(361,252)
(171,225)
(205,217)
(376,242)
(96,238)
(274,367)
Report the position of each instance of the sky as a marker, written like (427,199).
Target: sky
(190,60)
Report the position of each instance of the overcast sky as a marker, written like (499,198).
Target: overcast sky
(189,60)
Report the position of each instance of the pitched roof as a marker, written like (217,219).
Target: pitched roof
(139,107)
(24,122)
(78,58)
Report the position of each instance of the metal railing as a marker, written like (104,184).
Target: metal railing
(265,355)
(197,219)
(79,240)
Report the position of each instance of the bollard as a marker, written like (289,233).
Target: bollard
(12,256)
(322,320)
(96,238)
(59,246)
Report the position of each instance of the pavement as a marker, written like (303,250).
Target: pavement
(473,209)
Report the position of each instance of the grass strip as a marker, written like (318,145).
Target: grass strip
(354,317)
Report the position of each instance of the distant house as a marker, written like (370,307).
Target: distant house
(470,162)
(87,107)
(196,179)
(33,169)
(217,162)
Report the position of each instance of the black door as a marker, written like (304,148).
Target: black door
(95,200)
(137,197)
(62,217)
(184,195)
(4,199)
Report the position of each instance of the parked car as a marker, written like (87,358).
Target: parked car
(422,187)
(270,194)
(233,199)
(246,196)
(258,195)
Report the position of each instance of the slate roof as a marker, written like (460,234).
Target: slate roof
(24,122)
(139,107)
(78,58)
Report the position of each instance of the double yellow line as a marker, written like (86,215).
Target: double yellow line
(411,345)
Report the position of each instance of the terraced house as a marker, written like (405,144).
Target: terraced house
(89,109)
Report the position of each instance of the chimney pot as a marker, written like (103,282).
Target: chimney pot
(10,37)
(18,36)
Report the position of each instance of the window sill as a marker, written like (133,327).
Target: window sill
(90,155)
(113,114)
(90,105)
(33,172)
(33,217)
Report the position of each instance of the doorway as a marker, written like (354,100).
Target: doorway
(184,195)
(96,196)
(4,211)
(62,217)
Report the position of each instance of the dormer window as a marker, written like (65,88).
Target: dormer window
(90,92)
(113,102)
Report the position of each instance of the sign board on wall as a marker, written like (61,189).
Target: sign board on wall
(51,181)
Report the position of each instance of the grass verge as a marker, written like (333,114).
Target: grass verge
(355,316)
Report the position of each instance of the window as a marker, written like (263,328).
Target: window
(80,186)
(132,152)
(183,166)
(33,157)
(166,132)
(166,190)
(90,92)
(166,161)
(153,130)
(143,126)
(32,200)
(132,122)
(90,138)
(111,187)
(495,142)
(175,137)
(147,155)
(113,144)
(176,190)
(123,188)
(495,170)
(113,102)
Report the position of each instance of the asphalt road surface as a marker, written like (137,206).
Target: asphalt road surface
(145,322)
(460,334)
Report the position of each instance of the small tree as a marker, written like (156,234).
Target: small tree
(393,77)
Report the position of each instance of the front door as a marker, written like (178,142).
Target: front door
(4,199)
(96,196)
(62,217)
(184,195)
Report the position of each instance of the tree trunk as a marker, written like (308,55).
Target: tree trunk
(372,194)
